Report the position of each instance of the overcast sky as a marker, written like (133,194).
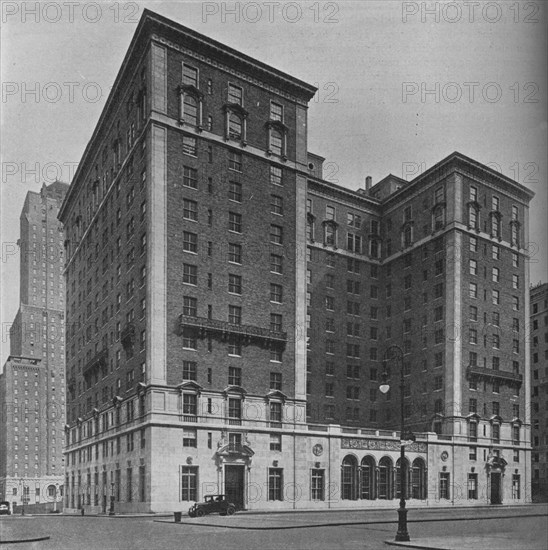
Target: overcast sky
(401,86)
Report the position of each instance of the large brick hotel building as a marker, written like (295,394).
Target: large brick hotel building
(228,308)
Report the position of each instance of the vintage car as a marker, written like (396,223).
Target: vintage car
(210,505)
(5,508)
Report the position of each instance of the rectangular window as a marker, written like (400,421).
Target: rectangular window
(190,146)
(276,111)
(190,274)
(235,253)
(190,75)
(444,486)
(235,161)
(189,370)
(276,234)
(276,175)
(276,293)
(235,94)
(190,242)
(276,263)
(276,205)
(317,484)
(275,484)
(234,376)
(234,222)
(190,306)
(189,483)
(234,284)
(235,315)
(275,442)
(473,486)
(190,406)
(235,191)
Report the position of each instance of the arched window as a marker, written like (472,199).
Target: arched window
(349,478)
(276,142)
(473,215)
(367,485)
(51,491)
(374,248)
(514,228)
(235,126)
(418,479)
(438,216)
(495,224)
(385,478)
(190,112)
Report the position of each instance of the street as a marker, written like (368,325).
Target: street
(519,528)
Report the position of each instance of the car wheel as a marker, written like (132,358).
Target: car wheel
(191,514)
(230,510)
(200,513)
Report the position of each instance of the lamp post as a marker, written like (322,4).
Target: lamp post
(111,511)
(55,498)
(402,533)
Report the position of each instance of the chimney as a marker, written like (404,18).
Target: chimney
(368,183)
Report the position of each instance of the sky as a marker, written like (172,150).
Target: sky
(401,85)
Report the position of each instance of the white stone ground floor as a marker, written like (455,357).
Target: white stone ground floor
(164,464)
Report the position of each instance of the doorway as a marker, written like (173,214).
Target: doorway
(496,493)
(234,485)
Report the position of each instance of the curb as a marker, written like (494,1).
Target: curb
(16,541)
(343,523)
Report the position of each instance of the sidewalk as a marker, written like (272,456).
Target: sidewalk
(500,541)
(15,529)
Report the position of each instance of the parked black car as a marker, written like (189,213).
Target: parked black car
(212,504)
(5,508)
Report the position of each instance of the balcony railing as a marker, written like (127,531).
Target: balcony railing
(491,374)
(224,329)
(97,361)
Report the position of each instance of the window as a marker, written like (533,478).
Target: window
(276,205)
(190,407)
(190,242)
(276,234)
(473,290)
(515,303)
(276,111)
(234,222)
(235,161)
(190,146)
(276,381)
(189,483)
(473,486)
(496,297)
(190,75)
(190,210)
(473,244)
(276,263)
(234,346)
(276,293)
(234,284)
(276,175)
(275,410)
(235,126)
(190,306)
(235,315)
(515,281)
(496,275)
(190,110)
(235,94)
(275,442)
(276,142)
(275,484)
(189,370)
(235,191)
(473,313)
(495,252)
(235,253)
(473,268)
(235,411)
(444,485)
(317,484)
(234,376)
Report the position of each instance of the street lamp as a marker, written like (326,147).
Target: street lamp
(111,511)
(402,534)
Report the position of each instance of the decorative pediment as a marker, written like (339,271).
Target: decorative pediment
(331,223)
(408,223)
(496,462)
(95,411)
(473,417)
(310,218)
(474,204)
(495,214)
(495,419)
(117,401)
(235,451)
(235,108)
(517,421)
(276,395)
(235,389)
(438,206)
(190,385)
(277,125)
(190,89)
(141,388)
(516,223)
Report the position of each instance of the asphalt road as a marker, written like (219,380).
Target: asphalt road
(314,531)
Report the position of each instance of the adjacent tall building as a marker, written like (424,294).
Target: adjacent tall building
(32,386)
(228,309)
(539,390)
